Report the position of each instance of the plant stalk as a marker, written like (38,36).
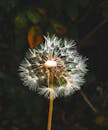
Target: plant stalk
(88,101)
(50,85)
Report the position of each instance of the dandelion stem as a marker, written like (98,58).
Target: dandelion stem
(88,101)
(50,79)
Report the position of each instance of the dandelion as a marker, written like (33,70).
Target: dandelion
(58,57)
(53,69)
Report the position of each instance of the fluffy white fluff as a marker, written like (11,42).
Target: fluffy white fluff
(71,67)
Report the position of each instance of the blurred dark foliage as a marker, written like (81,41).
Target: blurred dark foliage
(23,24)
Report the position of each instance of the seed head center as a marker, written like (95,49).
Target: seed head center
(50,64)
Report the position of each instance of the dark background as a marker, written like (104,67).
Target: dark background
(22,25)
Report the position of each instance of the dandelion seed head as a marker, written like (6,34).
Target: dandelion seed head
(61,57)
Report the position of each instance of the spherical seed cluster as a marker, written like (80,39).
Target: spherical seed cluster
(62,59)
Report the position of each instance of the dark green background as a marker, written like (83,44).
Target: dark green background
(86,21)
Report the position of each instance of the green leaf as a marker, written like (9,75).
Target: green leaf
(20,21)
(34,16)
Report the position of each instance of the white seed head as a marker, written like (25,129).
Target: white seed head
(61,56)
